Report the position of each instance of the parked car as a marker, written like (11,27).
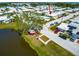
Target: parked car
(56,31)
(51,24)
(62,36)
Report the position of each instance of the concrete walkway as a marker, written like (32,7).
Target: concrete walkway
(70,46)
(44,42)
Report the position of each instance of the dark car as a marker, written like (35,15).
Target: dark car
(62,36)
(51,24)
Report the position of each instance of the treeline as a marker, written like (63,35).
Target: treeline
(34,4)
(65,4)
(60,4)
(4,4)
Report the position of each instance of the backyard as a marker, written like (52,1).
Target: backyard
(11,25)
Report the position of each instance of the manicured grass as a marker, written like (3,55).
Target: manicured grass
(11,25)
(44,38)
(53,27)
(51,49)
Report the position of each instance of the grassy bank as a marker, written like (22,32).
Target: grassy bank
(51,49)
(11,25)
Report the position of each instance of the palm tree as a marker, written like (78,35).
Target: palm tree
(31,22)
(6,9)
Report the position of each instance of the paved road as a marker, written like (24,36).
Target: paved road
(70,46)
(62,19)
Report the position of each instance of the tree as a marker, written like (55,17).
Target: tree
(33,4)
(7,9)
(31,22)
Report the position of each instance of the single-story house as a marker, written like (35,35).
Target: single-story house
(76,21)
(4,19)
(1,13)
(61,9)
(45,18)
(76,9)
(28,9)
(31,32)
(74,25)
(63,26)
(39,12)
(69,11)
(74,37)
(56,14)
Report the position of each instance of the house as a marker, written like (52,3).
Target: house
(76,20)
(4,19)
(63,26)
(69,11)
(76,9)
(1,13)
(60,9)
(45,18)
(73,25)
(56,14)
(31,32)
(74,37)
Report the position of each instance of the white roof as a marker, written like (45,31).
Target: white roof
(45,11)
(77,20)
(4,18)
(63,26)
(46,18)
(57,13)
(76,9)
(31,31)
(60,9)
(74,24)
(38,11)
(12,8)
(69,10)
(1,13)
(28,9)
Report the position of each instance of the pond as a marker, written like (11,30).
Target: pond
(12,44)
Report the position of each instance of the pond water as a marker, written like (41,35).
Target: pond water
(11,44)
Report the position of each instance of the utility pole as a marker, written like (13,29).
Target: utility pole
(49,9)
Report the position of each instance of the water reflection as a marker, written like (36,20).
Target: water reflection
(11,44)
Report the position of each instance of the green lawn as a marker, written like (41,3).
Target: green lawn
(11,25)
(44,38)
(51,49)
(53,27)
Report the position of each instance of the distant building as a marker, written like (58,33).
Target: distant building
(4,19)
(56,14)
